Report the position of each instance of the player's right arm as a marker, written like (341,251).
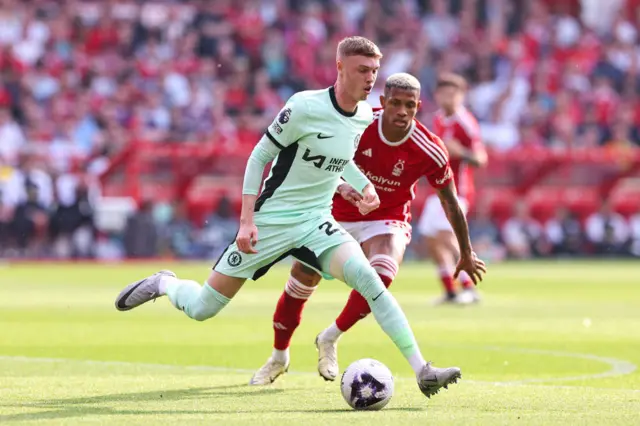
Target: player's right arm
(286,129)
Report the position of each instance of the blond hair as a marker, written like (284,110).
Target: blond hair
(357,46)
(402,81)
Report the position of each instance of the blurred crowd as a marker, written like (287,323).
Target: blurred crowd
(604,233)
(82,79)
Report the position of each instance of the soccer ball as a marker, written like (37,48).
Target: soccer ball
(367,384)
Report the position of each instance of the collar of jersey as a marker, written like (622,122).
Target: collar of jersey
(334,101)
(401,141)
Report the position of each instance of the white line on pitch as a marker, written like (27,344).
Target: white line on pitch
(617,367)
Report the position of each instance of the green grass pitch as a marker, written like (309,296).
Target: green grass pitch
(553,343)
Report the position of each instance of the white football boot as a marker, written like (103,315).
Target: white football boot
(327,359)
(139,292)
(431,379)
(268,373)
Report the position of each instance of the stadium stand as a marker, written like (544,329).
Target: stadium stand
(120,120)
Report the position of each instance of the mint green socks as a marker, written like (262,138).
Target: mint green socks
(363,278)
(199,302)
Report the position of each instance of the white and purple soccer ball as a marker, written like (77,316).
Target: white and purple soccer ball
(367,384)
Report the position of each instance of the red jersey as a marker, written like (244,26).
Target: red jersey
(394,168)
(461,126)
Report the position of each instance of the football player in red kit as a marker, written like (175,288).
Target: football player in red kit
(395,151)
(459,131)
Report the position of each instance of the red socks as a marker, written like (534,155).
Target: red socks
(288,312)
(446,276)
(357,307)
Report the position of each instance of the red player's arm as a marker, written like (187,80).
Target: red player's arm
(475,153)
(449,199)
(476,156)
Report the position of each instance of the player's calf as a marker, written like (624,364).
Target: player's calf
(288,315)
(357,307)
(199,302)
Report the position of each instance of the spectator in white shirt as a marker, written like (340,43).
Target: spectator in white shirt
(607,230)
(11,137)
(564,232)
(522,234)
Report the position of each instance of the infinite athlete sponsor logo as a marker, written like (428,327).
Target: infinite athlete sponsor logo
(335,164)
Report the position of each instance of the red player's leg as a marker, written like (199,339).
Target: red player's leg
(286,319)
(445,263)
(469,294)
(288,313)
(385,253)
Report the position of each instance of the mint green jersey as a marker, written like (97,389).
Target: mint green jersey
(316,141)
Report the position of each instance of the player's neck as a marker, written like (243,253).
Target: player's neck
(394,134)
(448,112)
(345,102)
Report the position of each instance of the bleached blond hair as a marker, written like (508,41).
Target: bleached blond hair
(403,81)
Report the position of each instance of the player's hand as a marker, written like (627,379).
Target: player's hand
(247,238)
(370,200)
(472,265)
(347,192)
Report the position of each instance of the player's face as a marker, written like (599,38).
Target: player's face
(359,74)
(400,107)
(449,98)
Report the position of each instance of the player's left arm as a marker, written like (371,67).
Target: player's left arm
(354,177)
(469,262)
(473,151)
(451,205)
(476,156)
(440,176)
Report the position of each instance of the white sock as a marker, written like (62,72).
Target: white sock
(280,356)
(330,334)
(417,362)
(166,279)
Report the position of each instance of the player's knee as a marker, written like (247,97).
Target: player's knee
(305,275)
(361,276)
(386,267)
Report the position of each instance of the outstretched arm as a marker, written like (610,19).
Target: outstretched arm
(449,200)
(477,156)
(469,262)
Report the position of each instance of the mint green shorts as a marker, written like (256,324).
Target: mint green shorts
(305,241)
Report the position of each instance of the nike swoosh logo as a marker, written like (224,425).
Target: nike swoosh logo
(322,136)
(376,298)
(121,302)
